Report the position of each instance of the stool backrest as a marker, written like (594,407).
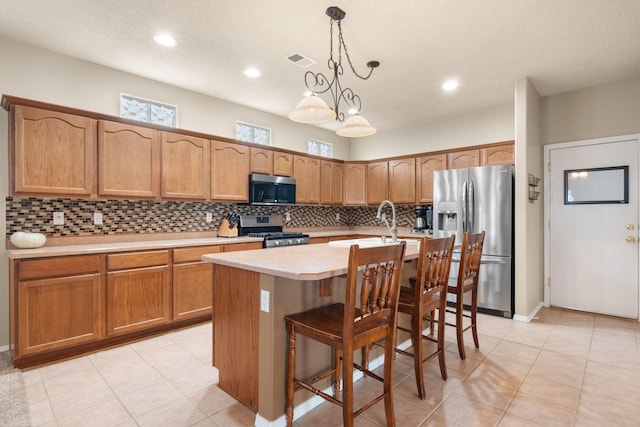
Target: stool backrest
(379,270)
(434,264)
(470,255)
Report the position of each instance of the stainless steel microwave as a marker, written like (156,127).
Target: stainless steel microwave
(271,190)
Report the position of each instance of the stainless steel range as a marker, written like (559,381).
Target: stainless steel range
(269,228)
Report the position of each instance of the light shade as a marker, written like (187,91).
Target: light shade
(312,109)
(356,126)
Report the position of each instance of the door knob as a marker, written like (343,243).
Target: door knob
(630,239)
(630,227)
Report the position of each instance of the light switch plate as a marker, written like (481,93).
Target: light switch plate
(287,216)
(58,218)
(209,217)
(264,301)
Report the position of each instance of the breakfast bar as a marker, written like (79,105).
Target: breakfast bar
(253,291)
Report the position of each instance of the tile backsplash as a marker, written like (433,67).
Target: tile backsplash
(144,216)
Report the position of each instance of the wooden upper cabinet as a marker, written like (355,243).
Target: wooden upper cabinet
(425,166)
(331,177)
(230,166)
(185,166)
(282,164)
(53,153)
(463,159)
(355,184)
(261,161)
(402,180)
(377,182)
(128,160)
(498,155)
(306,171)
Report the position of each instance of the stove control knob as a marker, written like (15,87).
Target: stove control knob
(277,242)
(290,241)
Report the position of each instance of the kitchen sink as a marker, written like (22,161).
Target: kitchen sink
(371,241)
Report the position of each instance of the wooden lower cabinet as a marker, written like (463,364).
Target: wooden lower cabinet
(192,282)
(55,303)
(139,292)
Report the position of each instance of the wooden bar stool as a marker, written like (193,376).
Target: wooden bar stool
(428,294)
(361,320)
(468,274)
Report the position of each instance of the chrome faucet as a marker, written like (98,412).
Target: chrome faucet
(394,228)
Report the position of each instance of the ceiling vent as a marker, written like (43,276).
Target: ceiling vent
(300,60)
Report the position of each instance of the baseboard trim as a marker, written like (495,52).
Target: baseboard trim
(531,316)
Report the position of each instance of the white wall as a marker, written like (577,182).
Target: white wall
(487,125)
(529,272)
(58,79)
(594,112)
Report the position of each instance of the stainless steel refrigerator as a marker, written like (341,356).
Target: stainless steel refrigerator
(474,200)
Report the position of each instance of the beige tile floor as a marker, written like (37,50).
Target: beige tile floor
(564,368)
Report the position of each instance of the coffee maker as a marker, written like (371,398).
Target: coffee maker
(424,219)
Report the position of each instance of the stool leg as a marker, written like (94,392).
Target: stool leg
(291,370)
(416,341)
(460,326)
(474,312)
(347,387)
(337,374)
(441,326)
(389,352)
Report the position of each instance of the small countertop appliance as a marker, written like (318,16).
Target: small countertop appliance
(424,219)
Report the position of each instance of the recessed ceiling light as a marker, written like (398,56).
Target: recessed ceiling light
(450,85)
(165,39)
(252,72)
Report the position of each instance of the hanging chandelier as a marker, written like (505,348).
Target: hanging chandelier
(312,109)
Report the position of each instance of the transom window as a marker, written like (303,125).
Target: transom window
(320,148)
(148,111)
(253,133)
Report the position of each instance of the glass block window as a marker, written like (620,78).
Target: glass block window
(320,148)
(253,133)
(148,111)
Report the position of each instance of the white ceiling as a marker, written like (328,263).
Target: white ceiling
(561,45)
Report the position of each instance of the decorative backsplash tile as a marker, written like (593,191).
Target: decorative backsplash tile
(144,216)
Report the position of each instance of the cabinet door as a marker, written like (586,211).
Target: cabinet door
(57,312)
(185,166)
(402,180)
(138,299)
(192,290)
(337,193)
(330,183)
(377,182)
(463,159)
(128,161)
(261,161)
(498,155)
(300,174)
(230,171)
(54,153)
(313,180)
(425,166)
(282,164)
(355,184)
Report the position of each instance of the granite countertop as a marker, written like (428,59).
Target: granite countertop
(98,244)
(303,262)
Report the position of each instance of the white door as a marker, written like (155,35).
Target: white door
(593,248)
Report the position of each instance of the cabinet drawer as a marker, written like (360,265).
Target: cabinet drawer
(242,246)
(193,254)
(137,260)
(56,267)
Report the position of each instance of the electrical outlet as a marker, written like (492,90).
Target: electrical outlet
(264,301)
(97,218)
(287,216)
(337,216)
(383,216)
(209,217)
(58,218)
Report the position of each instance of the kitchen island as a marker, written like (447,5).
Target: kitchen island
(253,291)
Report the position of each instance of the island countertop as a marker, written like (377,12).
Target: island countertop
(301,262)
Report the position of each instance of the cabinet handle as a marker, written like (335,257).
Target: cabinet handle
(630,227)
(630,239)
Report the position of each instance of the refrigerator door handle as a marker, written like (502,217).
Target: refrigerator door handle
(470,213)
(464,205)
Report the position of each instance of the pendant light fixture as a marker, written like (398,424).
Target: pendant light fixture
(312,109)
